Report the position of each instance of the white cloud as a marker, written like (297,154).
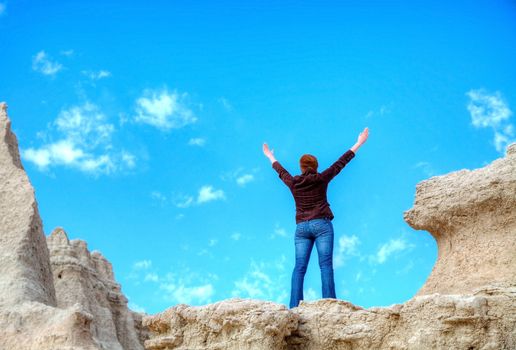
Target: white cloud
(136,307)
(151,277)
(183,294)
(84,143)
(310,294)
(244,179)
(182,201)
(43,64)
(163,110)
(426,168)
(390,248)
(226,104)
(158,196)
(236,236)
(188,288)
(489,110)
(347,247)
(278,232)
(142,265)
(97,75)
(266,281)
(208,193)
(213,242)
(198,141)
(67,53)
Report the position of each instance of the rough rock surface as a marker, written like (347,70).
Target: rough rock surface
(24,262)
(87,279)
(468,302)
(88,312)
(472,216)
(227,325)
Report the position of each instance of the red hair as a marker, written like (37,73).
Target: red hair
(308,161)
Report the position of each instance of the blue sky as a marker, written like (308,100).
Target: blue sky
(141,125)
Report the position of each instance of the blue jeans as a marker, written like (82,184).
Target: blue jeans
(319,231)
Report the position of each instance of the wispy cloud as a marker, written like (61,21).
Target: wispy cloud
(244,179)
(236,236)
(241,176)
(180,286)
(67,53)
(383,110)
(310,294)
(278,232)
(188,288)
(393,246)
(164,110)
(135,307)
(97,75)
(489,110)
(266,281)
(84,143)
(226,104)
(426,168)
(198,141)
(43,64)
(142,265)
(158,197)
(347,246)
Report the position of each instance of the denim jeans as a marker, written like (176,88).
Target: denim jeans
(319,231)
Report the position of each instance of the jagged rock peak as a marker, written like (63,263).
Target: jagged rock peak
(24,259)
(87,278)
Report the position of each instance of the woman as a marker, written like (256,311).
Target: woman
(313,216)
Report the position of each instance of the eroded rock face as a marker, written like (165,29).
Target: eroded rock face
(24,263)
(468,302)
(87,278)
(483,320)
(234,324)
(88,312)
(472,216)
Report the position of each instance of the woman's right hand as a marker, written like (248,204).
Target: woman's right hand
(268,153)
(362,138)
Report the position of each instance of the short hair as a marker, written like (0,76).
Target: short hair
(308,161)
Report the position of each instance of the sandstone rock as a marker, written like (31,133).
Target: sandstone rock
(24,262)
(483,320)
(231,324)
(88,280)
(472,216)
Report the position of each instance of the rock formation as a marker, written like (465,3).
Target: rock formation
(23,253)
(64,300)
(230,325)
(472,216)
(468,302)
(88,279)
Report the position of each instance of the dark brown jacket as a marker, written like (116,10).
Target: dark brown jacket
(309,188)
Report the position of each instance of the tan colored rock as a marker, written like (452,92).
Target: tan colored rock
(483,320)
(88,280)
(234,324)
(472,216)
(24,262)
